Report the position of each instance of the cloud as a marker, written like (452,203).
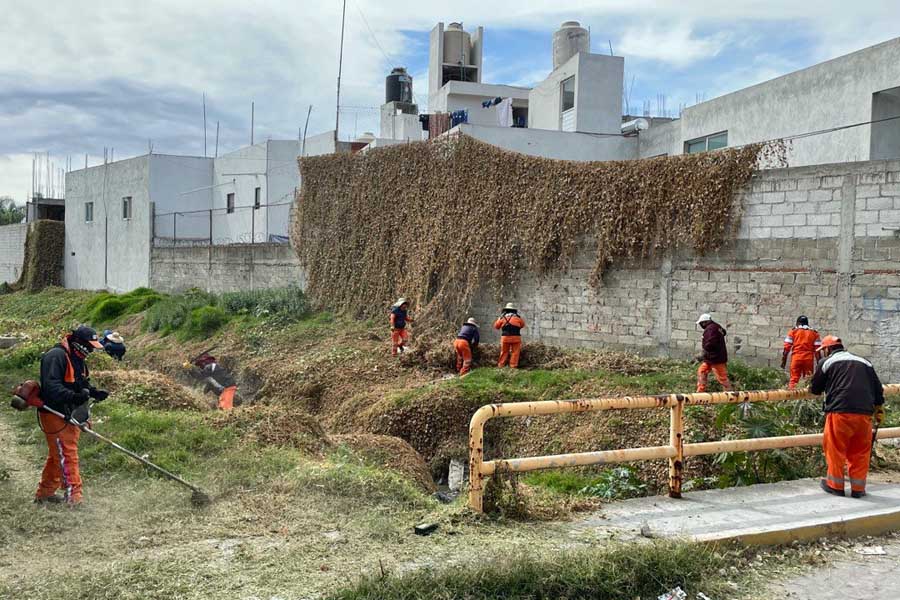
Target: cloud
(676,45)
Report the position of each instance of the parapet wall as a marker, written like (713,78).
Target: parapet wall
(819,241)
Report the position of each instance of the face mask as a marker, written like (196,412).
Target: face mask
(81,351)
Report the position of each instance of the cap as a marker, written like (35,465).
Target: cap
(401,301)
(704,318)
(831,340)
(87,335)
(510,306)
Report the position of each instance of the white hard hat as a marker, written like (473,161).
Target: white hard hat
(471,321)
(704,317)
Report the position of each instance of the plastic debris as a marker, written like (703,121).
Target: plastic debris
(425,528)
(674,594)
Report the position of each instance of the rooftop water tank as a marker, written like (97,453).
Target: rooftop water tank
(570,39)
(398,86)
(457,44)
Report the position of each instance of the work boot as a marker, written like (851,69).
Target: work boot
(857,494)
(830,490)
(54,499)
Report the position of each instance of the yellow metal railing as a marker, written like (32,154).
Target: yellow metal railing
(675,451)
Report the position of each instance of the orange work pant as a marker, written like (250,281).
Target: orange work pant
(399,337)
(801,366)
(720,371)
(463,356)
(847,441)
(510,349)
(226,398)
(61,469)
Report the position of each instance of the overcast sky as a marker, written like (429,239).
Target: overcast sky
(80,75)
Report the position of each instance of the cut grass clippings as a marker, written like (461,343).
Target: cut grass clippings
(616,573)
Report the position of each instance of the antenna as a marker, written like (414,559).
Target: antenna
(204,125)
(337,108)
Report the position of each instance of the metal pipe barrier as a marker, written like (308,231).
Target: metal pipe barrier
(675,451)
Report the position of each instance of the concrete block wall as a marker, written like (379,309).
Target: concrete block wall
(818,241)
(12,251)
(225,268)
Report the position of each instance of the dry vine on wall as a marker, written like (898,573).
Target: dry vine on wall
(438,221)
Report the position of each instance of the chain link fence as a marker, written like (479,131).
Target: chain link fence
(263,224)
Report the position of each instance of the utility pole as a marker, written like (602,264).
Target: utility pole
(337,112)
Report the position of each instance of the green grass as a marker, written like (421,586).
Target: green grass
(616,573)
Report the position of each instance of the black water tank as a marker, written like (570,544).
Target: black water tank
(398,86)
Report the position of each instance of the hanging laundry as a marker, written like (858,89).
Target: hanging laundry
(423,119)
(459,116)
(505,113)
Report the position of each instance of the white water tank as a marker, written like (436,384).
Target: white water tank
(570,39)
(457,44)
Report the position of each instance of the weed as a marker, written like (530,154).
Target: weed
(205,321)
(106,307)
(289,303)
(610,484)
(607,574)
(173,313)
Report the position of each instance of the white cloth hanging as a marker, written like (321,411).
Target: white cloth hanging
(505,113)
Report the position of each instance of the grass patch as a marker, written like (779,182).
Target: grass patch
(290,302)
(609,574)
(610,484)
(105,308)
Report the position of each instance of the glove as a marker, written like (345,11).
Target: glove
(99,395)
(879,415)
(80,397)
(783,362)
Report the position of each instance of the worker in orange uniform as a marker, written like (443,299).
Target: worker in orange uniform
(399,318)
(715,354)
(853,397)
(801,343)
(66,388)
(510,325)
(465,343)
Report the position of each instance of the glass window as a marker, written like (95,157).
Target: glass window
(126,207)
(88,212)
(257,198)
(709,142)
(568,94)
(720,140)
(229,203)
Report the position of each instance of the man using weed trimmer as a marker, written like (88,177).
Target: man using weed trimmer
(65,388)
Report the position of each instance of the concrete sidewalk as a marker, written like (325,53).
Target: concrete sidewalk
(764,514)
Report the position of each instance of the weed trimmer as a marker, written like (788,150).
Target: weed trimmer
(28,394)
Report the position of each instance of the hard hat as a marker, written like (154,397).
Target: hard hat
(830,341)
(704,318)
(510,306)
(401,301)
(471,321)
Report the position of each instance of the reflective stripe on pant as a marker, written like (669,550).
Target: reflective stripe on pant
(226,398)
(61,468)
(463,356)
(720,371)
(399,337)
(847,441)
(801,366)
(510,349)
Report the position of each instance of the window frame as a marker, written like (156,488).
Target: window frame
(562,94)
(257,197)
(89,211)
(704,140)
(127,208)
(229,203)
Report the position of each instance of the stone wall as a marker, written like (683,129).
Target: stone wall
(12,251)
(819,241)
(225,268)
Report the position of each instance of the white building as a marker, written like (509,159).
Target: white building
(115,211)
(576,112)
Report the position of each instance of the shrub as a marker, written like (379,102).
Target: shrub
(289,302)
(173,313)
(106,307)
(205,321)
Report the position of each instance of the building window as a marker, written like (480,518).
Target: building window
(568,94)
(229,203)
(257,197)
(126,207)
(705,144)
(88,212)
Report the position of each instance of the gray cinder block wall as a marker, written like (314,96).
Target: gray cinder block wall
(820,241)
(12,251)
(225,268)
